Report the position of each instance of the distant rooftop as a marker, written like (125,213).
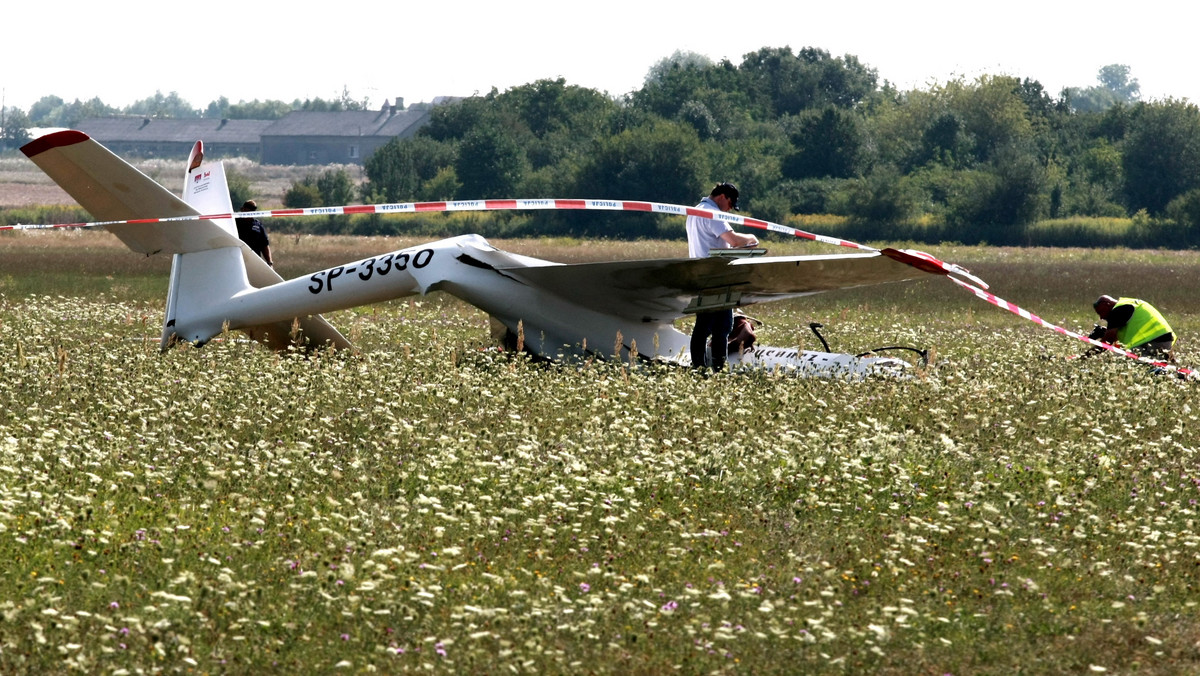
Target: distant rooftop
(174,130)
(345,123)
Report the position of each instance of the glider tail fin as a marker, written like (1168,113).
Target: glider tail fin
(211,265)
(202,282)
(202,278)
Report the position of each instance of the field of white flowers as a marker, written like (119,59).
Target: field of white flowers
(427,504)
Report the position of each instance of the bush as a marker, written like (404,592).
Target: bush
(302,196)
(333,187)
(809,196)
(1185,212)
(884,197)
(239,188)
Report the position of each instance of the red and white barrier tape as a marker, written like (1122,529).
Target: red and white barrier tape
(1005,305)
(479,205)
(917,259)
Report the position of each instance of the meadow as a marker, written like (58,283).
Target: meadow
(427,504)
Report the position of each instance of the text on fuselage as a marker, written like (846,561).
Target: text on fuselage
(372,267)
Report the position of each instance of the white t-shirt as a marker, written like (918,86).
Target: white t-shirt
(705,233)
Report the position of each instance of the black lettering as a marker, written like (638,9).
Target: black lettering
(370,269)
(333,274)
(402,261)
(318,283)
(387,264)
(427,253)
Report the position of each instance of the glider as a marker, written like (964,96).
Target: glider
(218,283)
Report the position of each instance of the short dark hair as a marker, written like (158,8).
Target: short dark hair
(249,205)
(727,189)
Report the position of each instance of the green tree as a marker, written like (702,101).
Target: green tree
(698,115)
(957,122)
(489,164)
(14,128)
(552,121)
(663,69)
(332,187)
(885,197)
(443,187)
(897,125)
(1161,155)
(1101,164)
(40,112)
(336,187)
(679,78)
(1115,78)
(547,106)
(945,141)
(396,170)
(239,188)
(222,109)
(993,113)
(995,203)
(344,102)
(454,121)
(171,105)
(1095,181)
(783,83)
(662,161)
(1184,210)
(1115,87)
(302,195)
(69,114)
(828,143)
(686,87)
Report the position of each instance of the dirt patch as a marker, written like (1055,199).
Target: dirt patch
(32,194)
(22,184)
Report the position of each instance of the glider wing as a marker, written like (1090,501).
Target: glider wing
(112,189)
(660,290)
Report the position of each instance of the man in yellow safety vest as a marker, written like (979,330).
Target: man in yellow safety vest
(1135,325)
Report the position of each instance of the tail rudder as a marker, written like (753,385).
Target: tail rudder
(204,282)
(211,264)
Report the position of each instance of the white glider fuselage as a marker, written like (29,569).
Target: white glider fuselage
(466,267)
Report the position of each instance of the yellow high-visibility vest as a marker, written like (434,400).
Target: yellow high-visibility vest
(1146,324)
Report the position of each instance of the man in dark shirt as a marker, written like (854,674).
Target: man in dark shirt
(1135,325)
(254,234)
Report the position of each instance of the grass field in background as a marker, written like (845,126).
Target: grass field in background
(427,504)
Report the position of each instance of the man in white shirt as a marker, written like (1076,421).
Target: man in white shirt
(705,234)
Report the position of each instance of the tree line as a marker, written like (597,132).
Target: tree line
(54,111)
(805,132)
(810,133)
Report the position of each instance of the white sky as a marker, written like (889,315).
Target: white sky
(123,51)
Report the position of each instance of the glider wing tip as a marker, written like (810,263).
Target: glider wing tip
(56,139)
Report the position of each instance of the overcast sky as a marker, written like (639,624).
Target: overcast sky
(123,51)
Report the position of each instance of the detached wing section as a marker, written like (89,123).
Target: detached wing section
(659,290)
(112,190)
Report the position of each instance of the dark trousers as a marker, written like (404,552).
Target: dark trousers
(717,324)
(1159,348)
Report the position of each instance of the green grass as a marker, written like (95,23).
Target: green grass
(432,505)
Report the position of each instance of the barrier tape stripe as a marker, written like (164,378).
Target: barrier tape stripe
(917,259)
(1021,312)
(476,205)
